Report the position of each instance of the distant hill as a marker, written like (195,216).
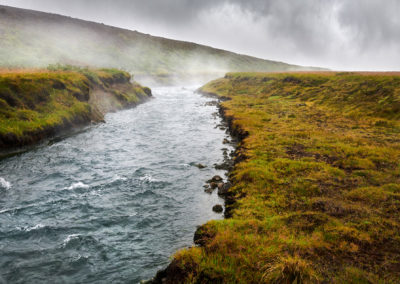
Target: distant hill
(36,39)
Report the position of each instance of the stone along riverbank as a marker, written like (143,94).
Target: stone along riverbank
(114,202)
(315,195)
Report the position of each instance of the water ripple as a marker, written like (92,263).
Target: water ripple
(112,203)
(4,184)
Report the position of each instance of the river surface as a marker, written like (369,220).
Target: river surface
(113,203)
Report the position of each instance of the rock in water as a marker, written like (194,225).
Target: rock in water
(147,91)
(213,185)
(208,190)
(224,189)
(218,208)
(215,179)
(200,166)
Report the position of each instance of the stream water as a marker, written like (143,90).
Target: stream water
(113,203)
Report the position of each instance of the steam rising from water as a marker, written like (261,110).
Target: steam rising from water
(339,34)
(36,43)
(32,39)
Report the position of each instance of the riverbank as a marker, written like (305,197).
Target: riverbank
(40,104)
(115,201)
(315,195)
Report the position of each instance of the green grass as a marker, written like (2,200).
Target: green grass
(317,198)
(32,39)
(38,102)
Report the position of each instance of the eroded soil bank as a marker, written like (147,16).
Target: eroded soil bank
(40,104)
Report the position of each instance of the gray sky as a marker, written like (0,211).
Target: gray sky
(338,34)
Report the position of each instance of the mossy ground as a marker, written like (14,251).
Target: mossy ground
(37,102)
(317,198)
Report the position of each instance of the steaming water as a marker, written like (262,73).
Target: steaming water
(111,204)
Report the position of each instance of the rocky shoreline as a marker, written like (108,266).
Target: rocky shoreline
(174,273)
(315,189)
(237,135)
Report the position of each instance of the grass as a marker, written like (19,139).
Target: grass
(32,39)
(317,197)
(38,103)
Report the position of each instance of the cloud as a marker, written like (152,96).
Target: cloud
(340,34)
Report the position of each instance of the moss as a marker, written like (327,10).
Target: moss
(317,197)
(37,104)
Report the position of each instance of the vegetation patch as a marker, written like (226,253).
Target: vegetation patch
(317,196)
(38,104)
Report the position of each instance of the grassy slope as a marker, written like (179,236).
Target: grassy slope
(317,198)
(34,39)
(41,103)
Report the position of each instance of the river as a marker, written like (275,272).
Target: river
(114,202)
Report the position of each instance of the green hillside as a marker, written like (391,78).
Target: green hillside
(36,39)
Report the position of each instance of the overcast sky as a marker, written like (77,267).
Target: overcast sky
(338,34)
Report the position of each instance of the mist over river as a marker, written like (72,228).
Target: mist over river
(113,203)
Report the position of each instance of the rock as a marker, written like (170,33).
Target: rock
(200,166)
(218,208)
(147,91)
(211,103)
(226,141)
(213,185)
(220,185)
(224,166)
(209,190)
(224,189)
(216,178)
